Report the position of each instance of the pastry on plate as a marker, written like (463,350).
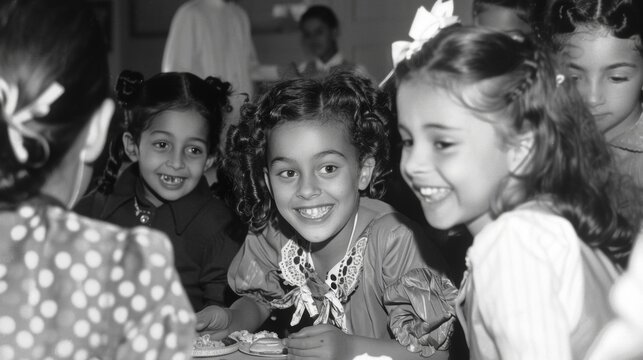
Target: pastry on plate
(268,346)
(205,346)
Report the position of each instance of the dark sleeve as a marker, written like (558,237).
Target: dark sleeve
(217,256)
(90,205)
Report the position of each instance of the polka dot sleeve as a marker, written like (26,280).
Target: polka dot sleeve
(76,288)
(151,303)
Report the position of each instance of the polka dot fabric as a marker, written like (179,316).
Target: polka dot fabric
(75,288)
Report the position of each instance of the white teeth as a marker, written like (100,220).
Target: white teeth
(314,213)
(171,179)
(433,194)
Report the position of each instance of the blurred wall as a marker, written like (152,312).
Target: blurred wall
(367,29)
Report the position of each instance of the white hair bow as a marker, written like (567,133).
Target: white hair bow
(16,119)
(425,26)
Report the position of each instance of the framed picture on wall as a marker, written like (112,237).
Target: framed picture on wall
(152,18)
(103,11)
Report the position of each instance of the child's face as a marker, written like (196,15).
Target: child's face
(172,154)
(318,38)
(452,160)
(501,18)
(314,177)
(609,75)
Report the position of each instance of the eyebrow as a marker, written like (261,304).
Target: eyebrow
(610,67)
(317,156)
(162,132)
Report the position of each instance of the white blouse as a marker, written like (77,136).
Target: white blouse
(528,276)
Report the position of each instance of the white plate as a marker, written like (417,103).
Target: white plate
(244,347)
(231,346)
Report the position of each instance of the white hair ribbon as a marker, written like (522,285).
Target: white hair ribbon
(425,26)
(16,129)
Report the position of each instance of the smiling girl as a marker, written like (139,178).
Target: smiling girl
(172,129)
(307,158)
(505,146)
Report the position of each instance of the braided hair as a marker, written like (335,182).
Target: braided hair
(143,100)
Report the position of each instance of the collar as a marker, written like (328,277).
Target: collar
(631,139)
(183,210)
(336,60)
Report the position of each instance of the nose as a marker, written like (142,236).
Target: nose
(594,94)
(176,161)
(308,187)
(415,161)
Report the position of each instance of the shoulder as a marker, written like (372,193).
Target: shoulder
(536,231)
(90,204)
(385,217)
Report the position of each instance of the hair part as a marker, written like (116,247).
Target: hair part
(143,100)
(623,19)
(343,96)
(42,42)
(570,162)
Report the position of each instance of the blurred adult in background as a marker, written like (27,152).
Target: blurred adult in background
(213,38)
(320,31)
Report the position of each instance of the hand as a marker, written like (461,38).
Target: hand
(320,342)
(212,318)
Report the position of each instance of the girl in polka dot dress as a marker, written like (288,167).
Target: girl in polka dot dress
(71,287)
(306,159)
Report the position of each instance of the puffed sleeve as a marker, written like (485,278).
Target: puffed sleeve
(254,271)
(149,301)
(421,313)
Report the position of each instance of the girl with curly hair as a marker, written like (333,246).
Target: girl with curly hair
(601,43)
(172,126)
(506,146)
(308,161)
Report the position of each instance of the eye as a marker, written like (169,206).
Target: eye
(618,79)
(574,77)
(328,169)
(405,143)
(287,174)
(195,150)
(161,145)
(442,145)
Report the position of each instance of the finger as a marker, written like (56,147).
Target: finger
(216,335)
(299,354)
(305,343)
(312,331)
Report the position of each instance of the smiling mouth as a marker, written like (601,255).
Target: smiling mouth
(314,212)
(171,180)
(434,194)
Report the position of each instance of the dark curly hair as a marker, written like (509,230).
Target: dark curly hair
(531,12)
(143,100)
(518,92)
(344,96)
(622,18)
(42,42)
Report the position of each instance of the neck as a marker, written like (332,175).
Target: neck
(329,55)
(330,252)
(624,125)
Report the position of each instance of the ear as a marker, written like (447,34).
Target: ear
(130,146)
(520,152)
(97,131)
(266,178)
(209,162)
(366,173)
